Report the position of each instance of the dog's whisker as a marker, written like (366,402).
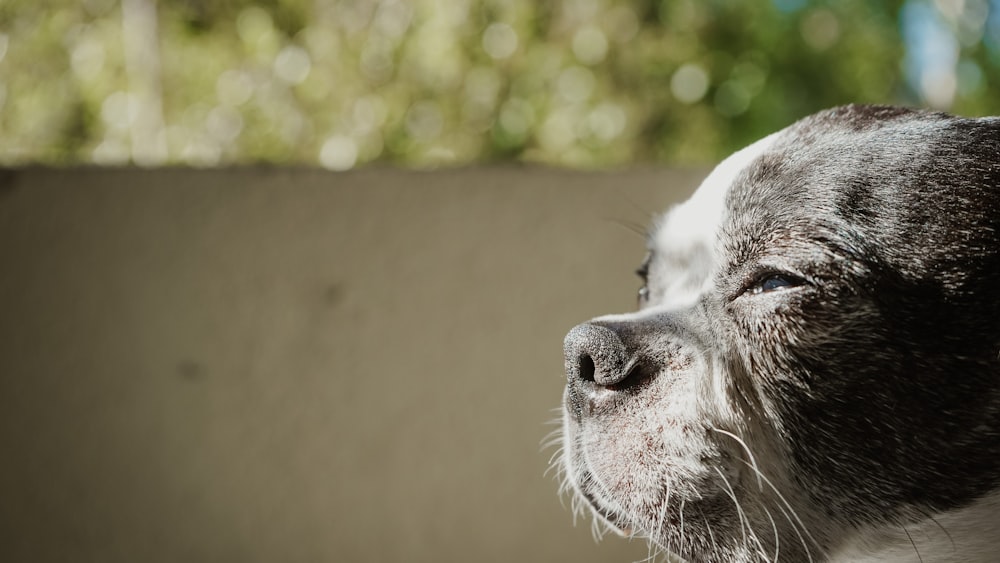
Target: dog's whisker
(739,509)
(653,550)
(795,528)
(557,455)
(553,436)
(553,464)
(551,439)
(752,464)
(909,537)
(663,516)
(680,535)
(800,525)
(556,419)
(631,227)
(938,524)
(777,539)
(708,528)
(750,537)
(753,461)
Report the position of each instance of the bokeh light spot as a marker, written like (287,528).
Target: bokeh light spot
(292,64)
(234,87)
(938,86)
(606,121)
(820,29)
(224,123)
(119,110)
(376,59)
(517,117)
(86,57)
(732,98)
(590,45)
(689,83)
(256,29)
(575,84)
(368,114)
(970,77)
(623,24)
(424,120)
(558,132)
(111,152)
(393,18)
(499,40)
(750,75)
(338,153)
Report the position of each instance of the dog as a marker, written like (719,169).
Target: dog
(813,371)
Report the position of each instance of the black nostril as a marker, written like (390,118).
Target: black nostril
(596,353)
(586,368)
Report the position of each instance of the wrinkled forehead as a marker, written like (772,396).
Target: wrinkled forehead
(684,241)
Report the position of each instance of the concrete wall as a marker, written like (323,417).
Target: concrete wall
(291,365)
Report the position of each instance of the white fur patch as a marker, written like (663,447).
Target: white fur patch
(686,235)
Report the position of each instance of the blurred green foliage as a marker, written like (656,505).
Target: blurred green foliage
(341,83)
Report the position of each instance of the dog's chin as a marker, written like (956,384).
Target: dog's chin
(680,506)
(693,529)
(695,498)
(611,520)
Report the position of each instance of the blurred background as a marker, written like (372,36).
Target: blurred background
(582,83)
(288,280)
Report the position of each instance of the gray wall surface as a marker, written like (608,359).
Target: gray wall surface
(292,365)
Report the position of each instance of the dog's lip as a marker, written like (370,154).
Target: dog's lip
(600,399)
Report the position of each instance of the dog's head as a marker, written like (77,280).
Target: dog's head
(816,351)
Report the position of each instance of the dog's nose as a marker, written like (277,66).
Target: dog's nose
(596,353)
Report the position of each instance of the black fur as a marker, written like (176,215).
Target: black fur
(876,374)
(904,396)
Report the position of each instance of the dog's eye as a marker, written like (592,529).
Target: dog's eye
(643,270)
(643,273)
(773,282)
